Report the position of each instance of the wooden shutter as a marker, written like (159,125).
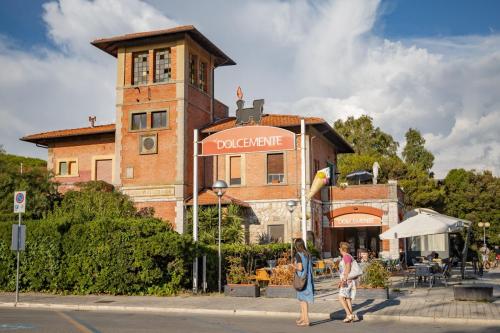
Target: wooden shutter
(275,164)
(103,170)
(235,170)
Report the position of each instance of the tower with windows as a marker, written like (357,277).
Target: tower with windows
(164,90)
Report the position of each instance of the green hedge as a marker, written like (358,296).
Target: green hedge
(107,255)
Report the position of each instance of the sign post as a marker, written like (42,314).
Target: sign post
(18,232)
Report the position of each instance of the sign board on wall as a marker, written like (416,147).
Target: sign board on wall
(248,139)
(356,220)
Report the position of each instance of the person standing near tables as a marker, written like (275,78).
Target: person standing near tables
(347,286)
(303,266)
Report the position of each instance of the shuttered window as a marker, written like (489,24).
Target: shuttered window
(275,168)
(235,170)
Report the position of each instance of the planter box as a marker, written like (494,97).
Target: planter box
(241,290)
(280,292)
(481,293)
(372,293)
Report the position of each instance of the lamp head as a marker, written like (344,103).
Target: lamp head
(290,205)
(219,187)
(480,224)
(487,224)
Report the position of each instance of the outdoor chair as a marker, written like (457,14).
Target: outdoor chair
(319,268)
(331,267)
(261,275)
(445,274)
(423,272)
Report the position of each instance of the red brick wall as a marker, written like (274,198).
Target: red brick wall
(83,149)
(353,192)
(150,169)
(220,110)
(163,210)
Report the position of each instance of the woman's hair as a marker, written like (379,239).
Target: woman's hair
(300,246)
(344,246)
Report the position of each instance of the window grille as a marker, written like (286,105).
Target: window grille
(162,66)
(141,68)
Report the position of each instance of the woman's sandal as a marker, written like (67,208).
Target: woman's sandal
(303,323)
(348,319)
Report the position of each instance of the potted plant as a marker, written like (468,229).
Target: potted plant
(374,282)
(239,283)
(280,284)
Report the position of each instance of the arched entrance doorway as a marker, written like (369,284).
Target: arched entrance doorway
(360,226)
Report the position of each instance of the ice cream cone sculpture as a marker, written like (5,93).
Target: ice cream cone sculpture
(321,178)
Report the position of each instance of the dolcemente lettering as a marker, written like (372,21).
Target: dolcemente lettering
(260,141)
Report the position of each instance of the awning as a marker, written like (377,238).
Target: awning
(421,221)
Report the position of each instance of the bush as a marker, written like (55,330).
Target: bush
(94,243)
(375,275)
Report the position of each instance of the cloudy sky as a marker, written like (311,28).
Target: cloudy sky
(430,65)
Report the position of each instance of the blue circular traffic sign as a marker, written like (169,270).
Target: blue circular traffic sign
(20,198)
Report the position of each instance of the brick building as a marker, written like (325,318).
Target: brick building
(165,90)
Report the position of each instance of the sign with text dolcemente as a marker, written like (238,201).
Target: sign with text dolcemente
(248,139)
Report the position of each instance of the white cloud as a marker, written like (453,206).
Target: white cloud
(304,57)
(46,89)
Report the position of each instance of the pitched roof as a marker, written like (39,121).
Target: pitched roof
(43,138)
(208,197)
(279,120)
(110,45)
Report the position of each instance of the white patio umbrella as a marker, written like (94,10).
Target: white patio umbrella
(422,222)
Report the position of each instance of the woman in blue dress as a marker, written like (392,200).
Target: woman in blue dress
(303,266)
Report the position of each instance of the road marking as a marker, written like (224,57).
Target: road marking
(80,327)
(15,326)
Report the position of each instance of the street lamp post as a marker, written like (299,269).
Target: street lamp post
(290,205)
(484,225)
(219,187)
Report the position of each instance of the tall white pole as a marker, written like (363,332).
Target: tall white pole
(195,186)
(195,206)
(303,177)
(17,264)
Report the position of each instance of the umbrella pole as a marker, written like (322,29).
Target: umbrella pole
(464,251)
(406,252)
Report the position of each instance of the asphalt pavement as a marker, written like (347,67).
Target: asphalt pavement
(47,321)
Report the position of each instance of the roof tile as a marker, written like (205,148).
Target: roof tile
(108,128)
(277,120)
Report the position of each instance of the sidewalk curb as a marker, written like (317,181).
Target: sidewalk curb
(420,320)
(248,313)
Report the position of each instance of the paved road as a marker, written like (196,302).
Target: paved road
(28,320)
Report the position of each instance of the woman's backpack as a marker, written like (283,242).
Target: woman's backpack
(300,283)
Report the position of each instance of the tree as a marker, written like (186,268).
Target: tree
(421,190)
(2,150)
(414,151)
(366,138)
(208,221)
(35,180)
(474,196)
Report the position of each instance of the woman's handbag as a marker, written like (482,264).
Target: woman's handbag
(300,283)
(355,270)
